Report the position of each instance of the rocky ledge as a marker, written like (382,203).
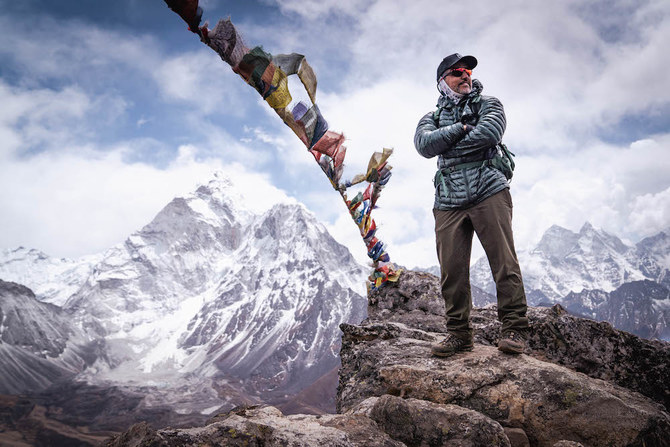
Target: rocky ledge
(580,382)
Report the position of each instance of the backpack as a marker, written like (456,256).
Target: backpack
(504,161)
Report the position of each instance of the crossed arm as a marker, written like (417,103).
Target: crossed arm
(455,140)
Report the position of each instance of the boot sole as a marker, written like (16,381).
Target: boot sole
(508,349)
(442,354)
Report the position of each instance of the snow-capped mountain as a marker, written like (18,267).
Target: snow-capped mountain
(595,274)
(53,280)
(212,304)
(653,254)
(38,343)
(640,307)
(181,254)
(283,303)
(565,262)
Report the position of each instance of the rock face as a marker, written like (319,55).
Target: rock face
(265,426)
(640,307)
(580,383)
(540,393)
(377,422)
(38,343)
(421,422)
(589,347)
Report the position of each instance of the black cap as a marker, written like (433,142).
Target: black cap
(453,59)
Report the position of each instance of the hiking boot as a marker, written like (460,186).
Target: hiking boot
(451,345)
(512,342)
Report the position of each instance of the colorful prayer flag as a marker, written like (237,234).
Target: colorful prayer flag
(269,76)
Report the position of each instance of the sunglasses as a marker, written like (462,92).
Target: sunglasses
(458,72)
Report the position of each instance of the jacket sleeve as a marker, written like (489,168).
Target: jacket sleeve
(430,140)
(489,130)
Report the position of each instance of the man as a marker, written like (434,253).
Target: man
(471,195)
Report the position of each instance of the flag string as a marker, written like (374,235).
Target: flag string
(268,75)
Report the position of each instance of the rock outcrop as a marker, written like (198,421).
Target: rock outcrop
(265,426)
(554,392)
(580,383)
(376,422)
(593,348)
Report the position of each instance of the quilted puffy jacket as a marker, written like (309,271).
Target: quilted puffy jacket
(446,139)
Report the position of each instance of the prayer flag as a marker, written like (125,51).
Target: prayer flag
(269,76)
(329,143)
(226,41)
(280,98)
(187,10)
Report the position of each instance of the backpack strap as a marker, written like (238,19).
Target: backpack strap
(476,105)
(436,115)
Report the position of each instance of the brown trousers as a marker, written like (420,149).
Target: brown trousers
(491,219)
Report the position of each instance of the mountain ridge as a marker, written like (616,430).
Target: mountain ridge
(584,270)
(564,261)
(249,302)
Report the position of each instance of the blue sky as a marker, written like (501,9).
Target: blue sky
(110,109)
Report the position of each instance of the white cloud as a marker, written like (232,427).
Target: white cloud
(75,50)
(602,184)
(64,187)
(597,183)
(316,9)
(83,201)
(567,73)
(562,84)
(203,81)
(559,78)
(651,213)
(33,117)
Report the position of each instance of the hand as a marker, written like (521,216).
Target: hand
(468,127)
(469,118)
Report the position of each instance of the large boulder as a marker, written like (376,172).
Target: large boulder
(548,402)
(417,422)
(264,426)
(540,395)
(591,347)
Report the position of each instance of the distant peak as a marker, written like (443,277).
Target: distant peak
(587,227)
(290,212)
(557,242)
(296,207)
(222,191)
(23,251)
(593,232)
(557,229)
(219,184)
(556,232)
(221,180)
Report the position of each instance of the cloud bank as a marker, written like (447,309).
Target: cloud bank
(91,114)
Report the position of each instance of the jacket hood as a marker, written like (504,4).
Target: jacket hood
(477,88)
